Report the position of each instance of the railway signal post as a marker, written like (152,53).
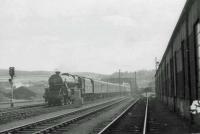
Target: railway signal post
(12,74)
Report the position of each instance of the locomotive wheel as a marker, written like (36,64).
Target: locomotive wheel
(57,102)
(65,100)
(62,101)
(49,102)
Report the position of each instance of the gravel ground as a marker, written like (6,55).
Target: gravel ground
(132,121)
(6,106)
(168,122)
(47,115)
(164,121)
(96,122)
(20,113)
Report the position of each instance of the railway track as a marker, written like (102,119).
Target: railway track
(20,107)
(133,120)
(20,113)
(24,112)
(27,112)
(57,123)
(9,110)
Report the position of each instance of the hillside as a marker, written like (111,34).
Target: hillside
(22,93)
(4,72)
(92,75)
(144,77)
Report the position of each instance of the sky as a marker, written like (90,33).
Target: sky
(98,36)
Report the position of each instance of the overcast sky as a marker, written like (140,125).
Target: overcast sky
(85,35)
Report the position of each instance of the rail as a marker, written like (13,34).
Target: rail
(57,126)
(22,101)
(145,118)
(62,124)
(111,125)
(117,118)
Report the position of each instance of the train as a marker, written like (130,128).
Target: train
(177,78)
(67,88)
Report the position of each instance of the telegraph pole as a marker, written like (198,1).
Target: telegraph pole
(119,81)
(131,84)
(107,86)
(135,80)
(12,74)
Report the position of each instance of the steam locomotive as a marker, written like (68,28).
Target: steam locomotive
(67,88)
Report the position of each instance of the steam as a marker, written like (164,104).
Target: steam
(18,84)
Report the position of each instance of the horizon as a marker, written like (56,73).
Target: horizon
(50,71)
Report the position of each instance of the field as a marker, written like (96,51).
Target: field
(34,83)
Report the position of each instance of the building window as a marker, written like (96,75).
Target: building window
(179,61)
(198,33)
(197,36)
